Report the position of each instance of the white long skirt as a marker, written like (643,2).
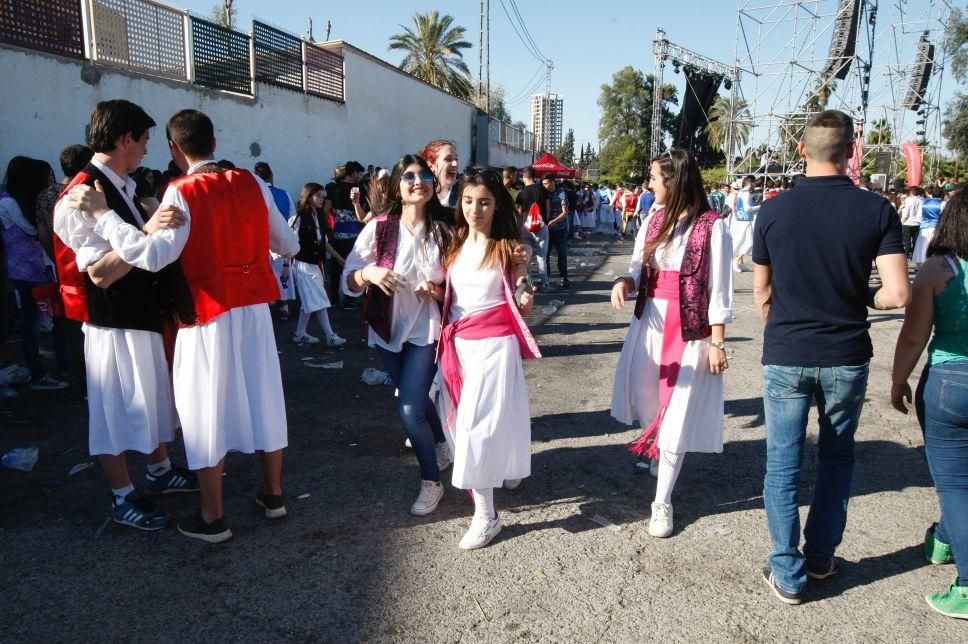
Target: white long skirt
(129,395)
(289,292)
(606,218)
(920,254)
(491,437)
(311,287)
(694,420)
(228,387)
(588,219)
(742,235)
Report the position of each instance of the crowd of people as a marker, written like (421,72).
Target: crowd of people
(159,286)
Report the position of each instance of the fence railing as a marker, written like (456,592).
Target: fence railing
(151,38)
(512,136)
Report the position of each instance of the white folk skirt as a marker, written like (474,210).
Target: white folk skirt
(742,234)
(491,437)
(694,420)
(289,292)
(311,287)
(920,254)
(228,387)
(129,395)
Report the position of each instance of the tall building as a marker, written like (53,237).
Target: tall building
(547,117)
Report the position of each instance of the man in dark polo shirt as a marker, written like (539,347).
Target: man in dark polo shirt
(813,247)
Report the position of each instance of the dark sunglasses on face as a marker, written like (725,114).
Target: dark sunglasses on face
(411,177)
(487,175)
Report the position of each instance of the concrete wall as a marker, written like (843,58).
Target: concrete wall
(501,155)
(48,101)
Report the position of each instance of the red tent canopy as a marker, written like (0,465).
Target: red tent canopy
(548,163)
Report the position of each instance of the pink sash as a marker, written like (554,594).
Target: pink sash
(663,285)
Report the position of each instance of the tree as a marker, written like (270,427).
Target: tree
(566,153)
(956,125)
(434,52)
(499,109)
(880,133)
(224,14)
(721,114)
(957,36)
(625,126)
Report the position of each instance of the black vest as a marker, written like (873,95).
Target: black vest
(140,300)
(311,249)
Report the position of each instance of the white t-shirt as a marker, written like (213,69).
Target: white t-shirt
(474,289)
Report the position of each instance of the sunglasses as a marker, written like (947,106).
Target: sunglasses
(412,177)
(484,173)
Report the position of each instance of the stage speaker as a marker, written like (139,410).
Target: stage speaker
(920,75)
(844,41)
(900,185)
(879,182)
(882,162)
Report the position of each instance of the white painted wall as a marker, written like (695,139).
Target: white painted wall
(502,155)
(46,107)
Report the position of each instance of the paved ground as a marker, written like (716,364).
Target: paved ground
(350,564)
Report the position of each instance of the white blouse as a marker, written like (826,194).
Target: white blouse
(474,289)
(668,257)
(417,260)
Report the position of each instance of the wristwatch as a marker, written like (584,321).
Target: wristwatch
(719,345)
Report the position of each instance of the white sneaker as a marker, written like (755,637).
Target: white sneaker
(335,341)
(743,268)
(481,532)
(654,468)
(512,484)
(736,268)
(305,338)
(431,492)
(660,525)
(444,457)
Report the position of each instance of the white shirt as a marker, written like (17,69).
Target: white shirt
(473,288)
(911,210)
(159,249)
(10,215)
(78,231)
(417,260)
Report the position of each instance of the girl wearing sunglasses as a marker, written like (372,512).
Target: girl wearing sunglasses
(485,396)
(396,260)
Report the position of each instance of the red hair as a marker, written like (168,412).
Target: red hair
(432,149)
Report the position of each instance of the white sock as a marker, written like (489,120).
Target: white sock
(120,493)
(484,503)
(322,316)
(302,323)
(669,466)
(159,468)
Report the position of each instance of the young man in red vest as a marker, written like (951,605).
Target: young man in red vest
(130,401)
(227,382)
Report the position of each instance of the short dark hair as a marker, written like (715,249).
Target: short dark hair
(548,175)
(352,167)
(75,158)
(111,120)
(225,164)
(192,132)
(263,171)
(528,173)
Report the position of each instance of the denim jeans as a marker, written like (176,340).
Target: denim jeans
(559,241)
(30,334)
(787,394)
(942,406)
(539,247)
(412,371)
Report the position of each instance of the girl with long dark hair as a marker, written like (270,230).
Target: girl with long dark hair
(308,274)
(485,395)
(939,303)
(26,264)
(669,374)
(396,260)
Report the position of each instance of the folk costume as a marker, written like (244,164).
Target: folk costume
(741,223)
(284,204)
(129,391)
(227,382)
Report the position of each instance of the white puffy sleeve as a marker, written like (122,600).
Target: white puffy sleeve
(720,275)
(149,252)
(362,255)
(638,252)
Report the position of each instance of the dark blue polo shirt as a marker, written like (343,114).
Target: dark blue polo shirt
(821,238)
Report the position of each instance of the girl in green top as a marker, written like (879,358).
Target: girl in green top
(940,303)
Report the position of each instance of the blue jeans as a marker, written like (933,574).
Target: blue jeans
(412,371)
(30,334)
(787,394)
(944,420)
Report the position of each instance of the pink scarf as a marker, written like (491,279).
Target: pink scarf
(664,285)
(495,322)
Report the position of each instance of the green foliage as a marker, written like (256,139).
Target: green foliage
(224,14)
(566,153)
(720,116)
(714,176)
(957,45)
(499,109)
(956,125)
(434,52)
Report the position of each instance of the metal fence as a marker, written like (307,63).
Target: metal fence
(220,57)
(512,136)
(324,73)
(278,56)
(139,35)
(54,26)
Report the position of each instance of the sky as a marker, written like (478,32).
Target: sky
(587,48)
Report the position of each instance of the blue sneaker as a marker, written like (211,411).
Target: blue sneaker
(139,512)
(177,479)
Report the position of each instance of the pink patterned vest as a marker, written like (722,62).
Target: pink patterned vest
(693,275)
(378,306)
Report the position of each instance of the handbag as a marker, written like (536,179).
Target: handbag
(48,299)
(533,222)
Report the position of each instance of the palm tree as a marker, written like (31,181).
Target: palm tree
(722,116)
(879,133)
(433,52)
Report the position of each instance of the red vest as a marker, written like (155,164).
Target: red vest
(73,288)
(226,259)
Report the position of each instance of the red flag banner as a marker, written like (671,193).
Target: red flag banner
(913,157)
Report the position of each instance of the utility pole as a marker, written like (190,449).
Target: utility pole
(329,27)
(484,64)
